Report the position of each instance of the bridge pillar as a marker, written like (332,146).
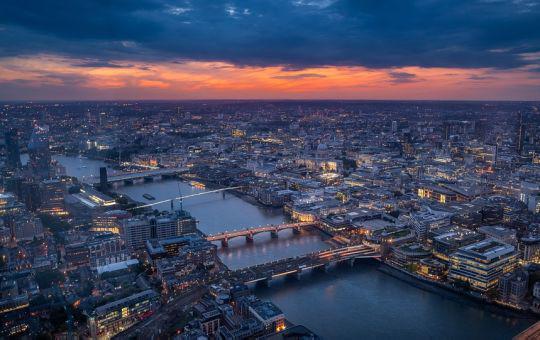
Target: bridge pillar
(274,234)
(128,182)
(225,243)
(249,238)
(351,262)
(296,231)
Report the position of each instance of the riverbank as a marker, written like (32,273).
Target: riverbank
(454,294)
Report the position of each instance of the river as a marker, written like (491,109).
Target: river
(345,303)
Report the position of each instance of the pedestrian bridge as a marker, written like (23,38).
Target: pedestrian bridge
(248,233)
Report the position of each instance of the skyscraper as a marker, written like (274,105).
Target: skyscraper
(520,135)
(12,149)
(40,155)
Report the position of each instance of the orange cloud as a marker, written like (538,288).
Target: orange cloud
(200,80)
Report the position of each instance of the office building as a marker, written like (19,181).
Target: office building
(110,319)
(529,247)
(105,249)
(447,240)
(139,229)
(52,197)
(482,264)
(499,233)
(513,287)
(428,219)
(110,221)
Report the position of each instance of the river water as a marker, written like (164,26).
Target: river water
(345,303)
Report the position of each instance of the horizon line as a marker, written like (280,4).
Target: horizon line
(37,101)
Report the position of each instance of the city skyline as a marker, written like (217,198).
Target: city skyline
(178,50)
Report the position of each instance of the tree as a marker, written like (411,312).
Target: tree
(47,278)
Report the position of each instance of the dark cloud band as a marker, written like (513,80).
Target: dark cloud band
(293,34)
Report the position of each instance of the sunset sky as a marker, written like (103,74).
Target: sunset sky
(271,49)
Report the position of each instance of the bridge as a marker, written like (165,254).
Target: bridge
(248,233)
(129,177)
(301,264)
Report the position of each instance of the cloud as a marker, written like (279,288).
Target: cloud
(300,76)
(295,34)
(402,77)
(477,77)
(96,63)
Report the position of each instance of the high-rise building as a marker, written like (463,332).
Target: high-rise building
(39,153)
(520,135)
(12,149)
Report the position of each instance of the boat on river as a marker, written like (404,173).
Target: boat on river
(148,197)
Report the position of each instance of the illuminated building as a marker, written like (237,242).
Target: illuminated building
(9,205)
(108,320)
(513,287)
(97,251)
(428,219)
(529,247)
(481,264)
(77,254)
(499,233)
(92,198)
(24,227)
(447,240)
(431,269)
(437,193)
(269,314)
(264,312)
(105,249)
(110,221)
(137,230)
(238,133)
(394,126)
(52,197)
(315,164)
(407,254)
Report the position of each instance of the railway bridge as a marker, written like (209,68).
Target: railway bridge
(301,264)
(146,175)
